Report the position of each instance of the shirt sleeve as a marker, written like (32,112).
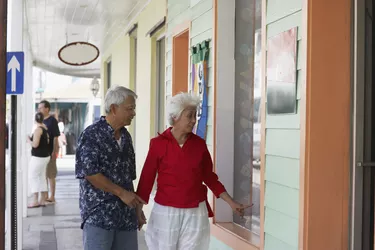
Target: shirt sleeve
(87,156)
(209,177)
(129,140)
(149,171)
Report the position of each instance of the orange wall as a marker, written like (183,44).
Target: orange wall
(180,63)
(326,91)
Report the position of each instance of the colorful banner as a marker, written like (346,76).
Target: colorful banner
(199,85)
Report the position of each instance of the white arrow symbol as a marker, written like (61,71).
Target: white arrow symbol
(13,65)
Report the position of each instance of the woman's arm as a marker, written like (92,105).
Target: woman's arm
(150,167)
(209,177)
(36,137)
(212,181)
(146,181)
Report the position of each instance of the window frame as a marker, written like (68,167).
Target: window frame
(133,56)
(108,72)
(160,104)
(223,226)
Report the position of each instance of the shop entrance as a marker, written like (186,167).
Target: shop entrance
(363,196)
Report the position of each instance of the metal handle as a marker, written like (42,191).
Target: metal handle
(365,164)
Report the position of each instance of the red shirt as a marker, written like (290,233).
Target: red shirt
(181,172)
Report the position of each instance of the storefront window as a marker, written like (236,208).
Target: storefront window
(247,133)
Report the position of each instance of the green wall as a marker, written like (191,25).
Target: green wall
(282,132)
(201,17)
(283,146)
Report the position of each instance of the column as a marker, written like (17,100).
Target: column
(15,43)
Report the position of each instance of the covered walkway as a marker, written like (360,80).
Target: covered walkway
(57,227)
(282,115)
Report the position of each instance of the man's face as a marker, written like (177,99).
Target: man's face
(125,112)
(44,110)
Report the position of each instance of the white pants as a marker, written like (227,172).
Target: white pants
(37,174)
(172,228)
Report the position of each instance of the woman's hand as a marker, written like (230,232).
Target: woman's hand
(141,218)
(238,208)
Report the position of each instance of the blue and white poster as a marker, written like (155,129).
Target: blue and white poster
(199,87)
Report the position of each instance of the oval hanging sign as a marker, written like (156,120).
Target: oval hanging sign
(78,53)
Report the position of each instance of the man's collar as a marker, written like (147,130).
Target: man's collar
(104,123)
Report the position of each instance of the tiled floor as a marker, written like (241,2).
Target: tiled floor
(57,227)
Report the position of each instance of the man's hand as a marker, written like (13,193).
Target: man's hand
(103,183)
(131,199)
(141,218)
(54,155)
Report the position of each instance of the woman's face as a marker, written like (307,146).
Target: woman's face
(187,120)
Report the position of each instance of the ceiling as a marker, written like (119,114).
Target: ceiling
(51,24)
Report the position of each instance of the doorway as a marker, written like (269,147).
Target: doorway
(133,76)
(180,66)
(160,86)
(363,173)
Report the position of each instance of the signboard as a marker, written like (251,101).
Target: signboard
(281,73)
(199,85)
(15,73)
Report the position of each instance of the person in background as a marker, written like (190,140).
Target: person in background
(54,133)
(62,140)
(105,166)
(40,156)
(182,162)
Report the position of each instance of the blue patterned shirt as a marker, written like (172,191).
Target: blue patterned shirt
(99,152)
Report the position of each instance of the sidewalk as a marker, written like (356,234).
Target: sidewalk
(57,227)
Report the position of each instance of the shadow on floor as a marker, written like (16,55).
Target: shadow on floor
(57,227)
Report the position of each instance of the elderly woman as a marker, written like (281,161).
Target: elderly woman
(179,218)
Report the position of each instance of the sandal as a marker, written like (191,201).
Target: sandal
(33,206)
(49,202)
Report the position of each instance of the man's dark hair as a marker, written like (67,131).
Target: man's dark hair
(39,117)
(46,104)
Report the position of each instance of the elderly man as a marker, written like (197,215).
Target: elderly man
(105,165)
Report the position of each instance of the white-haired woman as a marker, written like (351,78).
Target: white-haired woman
(179,218)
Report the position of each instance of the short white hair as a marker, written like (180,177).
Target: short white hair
(117,95)
(178,103)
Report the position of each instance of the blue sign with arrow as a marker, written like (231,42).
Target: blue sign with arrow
(15,73)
